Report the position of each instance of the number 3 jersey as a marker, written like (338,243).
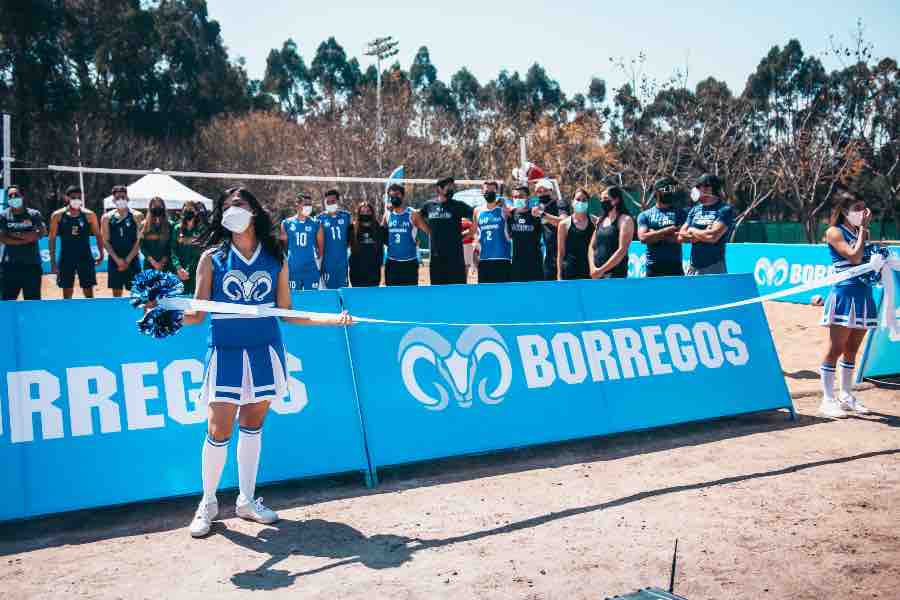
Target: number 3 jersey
(245,362)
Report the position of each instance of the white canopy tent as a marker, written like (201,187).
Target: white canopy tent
(159,184)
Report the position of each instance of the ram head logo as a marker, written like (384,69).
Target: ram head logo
(238,286)
(637,265)
(771,273)
(460,368)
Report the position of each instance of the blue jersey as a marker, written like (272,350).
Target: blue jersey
(704,217)
(238,280)
(401,236)
(493,235)
(337,233)
(301,236)
(656,218)
(842,264)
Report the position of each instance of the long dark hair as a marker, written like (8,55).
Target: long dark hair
(618,193)
(844,198)
(153,224)
(217,236)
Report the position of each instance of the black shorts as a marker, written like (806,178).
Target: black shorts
(365,277)
(665,269)
(445,272)
(85,269)
(22,278)
(493,271)
(121,279)
(401,272)
(531,270)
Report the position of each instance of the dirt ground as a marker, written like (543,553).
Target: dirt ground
(762,507)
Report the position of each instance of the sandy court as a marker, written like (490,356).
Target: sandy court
(763,508)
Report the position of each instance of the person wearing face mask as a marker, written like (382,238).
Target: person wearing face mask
(303,237)
(242,263)
(366,248)
(575,234)
(553,213)
(525,229)
(337,228)
(658,228)
(156,237)
(74,224)
(444,217)
(707,227)
(120,235)
(20,258)
(185,251)
(609,246)
(494,249)
(403,224)
(850,310)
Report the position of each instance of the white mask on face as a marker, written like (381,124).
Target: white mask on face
(122,204)
(236,219)
(695,194)
(75,202)
(306,211)
(855,217)
(331,208)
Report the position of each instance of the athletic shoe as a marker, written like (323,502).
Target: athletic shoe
(831,408)
(203,518)
(851,404)
(255,510)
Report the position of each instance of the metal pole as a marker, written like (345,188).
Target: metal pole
(378,132)
(7,150)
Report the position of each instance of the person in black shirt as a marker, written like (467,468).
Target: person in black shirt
(554,212)
(614,232)
(575,235)
(20,257)
(526,231)
(444,217)
(74,224)
(367,241)
(120,234)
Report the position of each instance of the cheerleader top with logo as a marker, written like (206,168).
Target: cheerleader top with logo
(842,264)
(239,280)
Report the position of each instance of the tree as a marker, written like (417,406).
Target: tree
(288,79)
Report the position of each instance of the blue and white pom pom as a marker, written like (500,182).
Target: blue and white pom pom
(150,286)
(874,277)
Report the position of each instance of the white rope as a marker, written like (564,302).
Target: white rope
(256,176)
(877,263)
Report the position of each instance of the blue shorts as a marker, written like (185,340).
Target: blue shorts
(244,375)
(334,279)
(306,281)
(851,306)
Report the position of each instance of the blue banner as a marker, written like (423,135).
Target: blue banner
(438,390)
(774,267)
(882,355)
(104,415)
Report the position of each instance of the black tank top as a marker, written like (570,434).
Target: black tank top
(525,231)
(575,260)
(75,233)
(122,233)
(606,246)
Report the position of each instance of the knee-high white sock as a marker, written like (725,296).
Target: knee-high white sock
(827,373)
(214,455)
(248,449)
(846,376)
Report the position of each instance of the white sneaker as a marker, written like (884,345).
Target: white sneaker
(203,518)
(851,404)
(255,510)
(831,408)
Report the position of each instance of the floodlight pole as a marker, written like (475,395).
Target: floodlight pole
(7,150)
(380,48)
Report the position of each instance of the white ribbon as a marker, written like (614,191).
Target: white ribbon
(876,263)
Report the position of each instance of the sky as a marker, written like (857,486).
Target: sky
(572,39)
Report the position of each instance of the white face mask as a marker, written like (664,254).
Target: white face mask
(75,203)
(331,208)
(695,194)
(855,217)
(122,204)
(306,211)
(236,219)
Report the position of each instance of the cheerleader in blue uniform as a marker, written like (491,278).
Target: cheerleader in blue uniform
(850,307)
(245,365)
